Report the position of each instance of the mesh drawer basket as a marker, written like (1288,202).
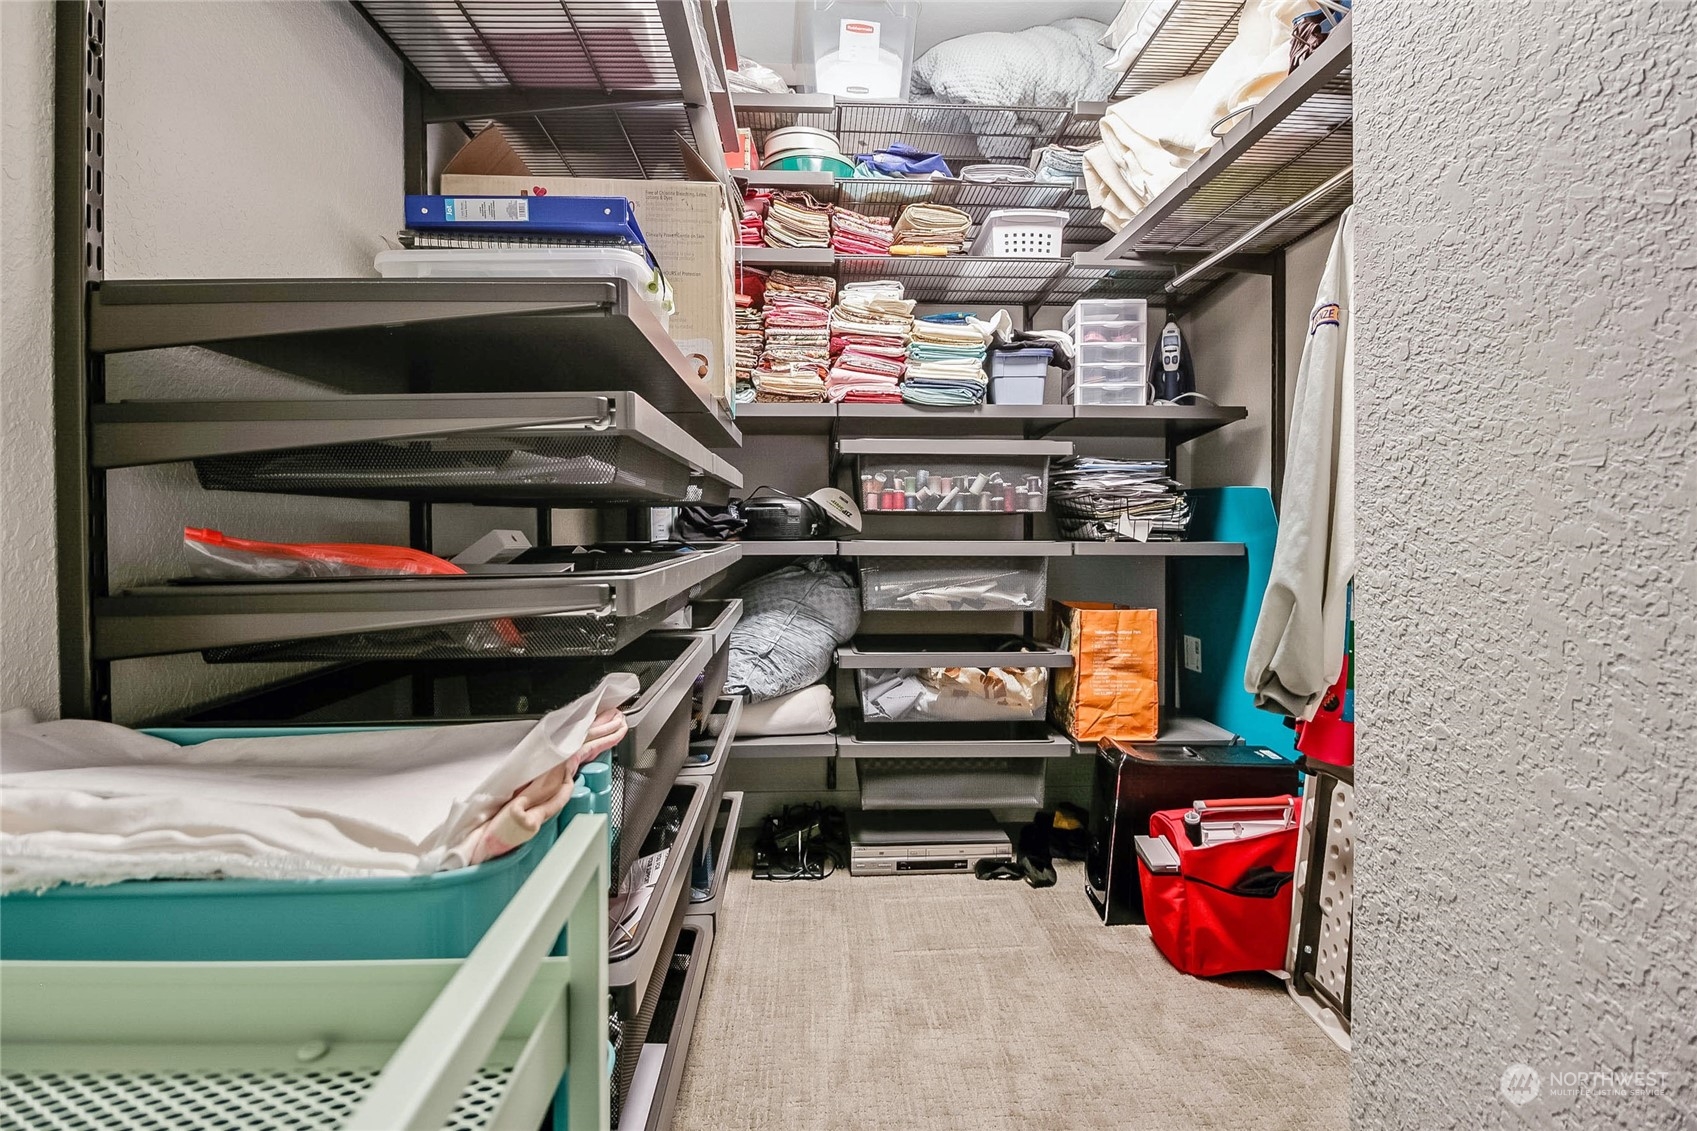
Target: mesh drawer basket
(469,468)
(564,634)
(944,584)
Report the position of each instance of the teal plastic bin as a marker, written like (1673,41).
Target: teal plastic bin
(437,916)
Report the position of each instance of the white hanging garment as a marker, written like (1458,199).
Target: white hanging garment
(1297,650)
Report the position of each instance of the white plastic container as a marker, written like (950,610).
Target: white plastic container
(1017,390)
(533,263)
(1021,233)
(1107,310)
(1111,392)
(862,48)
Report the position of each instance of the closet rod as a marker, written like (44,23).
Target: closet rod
(1288,210)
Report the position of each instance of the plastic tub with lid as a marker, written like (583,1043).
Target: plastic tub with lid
(519,262)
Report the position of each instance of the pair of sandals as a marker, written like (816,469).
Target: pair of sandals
(1039,874)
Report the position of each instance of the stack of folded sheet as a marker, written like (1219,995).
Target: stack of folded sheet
(1060,162)
(930,226)
(854,233)
(945,362)
(1105,500)
(750,344)
(795,219)
(751,230)
(869,335)
(798,338)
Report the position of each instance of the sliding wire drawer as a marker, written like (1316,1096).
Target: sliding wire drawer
(708,756)
(652,1095)
(715,854)
(511,611)
(536,449)
(952,775)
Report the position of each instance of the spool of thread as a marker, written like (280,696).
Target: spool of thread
(910,501)
(892,499)
(980,484)
(1007,497)
(868,493)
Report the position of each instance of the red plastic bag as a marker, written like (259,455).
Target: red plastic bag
(219,557)
(1227,909)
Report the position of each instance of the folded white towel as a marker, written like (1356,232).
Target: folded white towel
(93,803)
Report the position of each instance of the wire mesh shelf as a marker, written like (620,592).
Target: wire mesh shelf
(1297,140)
(579,87)
(1188,39)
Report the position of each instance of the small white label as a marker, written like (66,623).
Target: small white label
(485,209)
(857,41)
(1193,653)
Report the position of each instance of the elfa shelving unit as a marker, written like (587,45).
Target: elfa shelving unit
(587,374)
(1282,171)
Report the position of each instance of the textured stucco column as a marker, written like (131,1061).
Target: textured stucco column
(1526,278)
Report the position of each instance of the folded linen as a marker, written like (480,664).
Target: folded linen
(932,225)
(92,803)
(795,219)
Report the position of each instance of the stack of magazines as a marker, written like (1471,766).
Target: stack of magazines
(1111,500)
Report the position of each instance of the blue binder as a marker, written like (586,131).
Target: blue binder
(599,219)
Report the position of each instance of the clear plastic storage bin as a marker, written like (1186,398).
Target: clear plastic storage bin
(624,263)
(952,694)
(1111,392)
(971,476)
(1107,311)
(1094,354)
(862,48)
(953,584)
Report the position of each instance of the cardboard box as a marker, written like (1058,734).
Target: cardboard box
(1113,689)
(688,225)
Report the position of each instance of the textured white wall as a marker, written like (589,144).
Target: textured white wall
(1525,287)
(250,140)
(29,663)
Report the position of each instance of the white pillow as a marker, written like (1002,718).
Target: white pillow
(808,711)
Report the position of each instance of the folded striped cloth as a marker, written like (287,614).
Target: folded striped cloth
(932,225)
(855,233)
(789,381)
(795,219)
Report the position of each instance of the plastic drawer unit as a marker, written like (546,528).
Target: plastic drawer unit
(994,686)
(559,603)
(912,476)
(945,576)
(657,1074)
(1110,341)
(499,1036)
(529,449)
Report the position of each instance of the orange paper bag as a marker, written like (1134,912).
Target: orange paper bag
(1113,689)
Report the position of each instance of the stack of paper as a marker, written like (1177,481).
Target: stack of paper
(1109,500)
(854,233)
(795,219)
(923,226)
(945,362)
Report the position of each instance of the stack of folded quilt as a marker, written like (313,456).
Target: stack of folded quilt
(751,230)
(750,343)
(945,362)
(795,219)
(869,333)
(928,226)
(798,338)
(854,233)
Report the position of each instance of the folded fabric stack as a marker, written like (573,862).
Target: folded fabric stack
(945,362)
(751,230)
(1059,162)
(788,382)
(869,335)
(1109,500)
(750,343)
(798,338)
(901,160)
(930,225)
(795,219)
(855,233)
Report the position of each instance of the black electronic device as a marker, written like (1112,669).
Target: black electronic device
(782,518)
(1136,779)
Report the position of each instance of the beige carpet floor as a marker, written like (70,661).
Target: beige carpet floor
(948,1003)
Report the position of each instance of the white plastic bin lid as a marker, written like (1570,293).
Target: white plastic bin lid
(624,263)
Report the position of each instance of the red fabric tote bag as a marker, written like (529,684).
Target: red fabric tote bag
(1227,909)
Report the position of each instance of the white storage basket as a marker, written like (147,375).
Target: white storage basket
(1021,233)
